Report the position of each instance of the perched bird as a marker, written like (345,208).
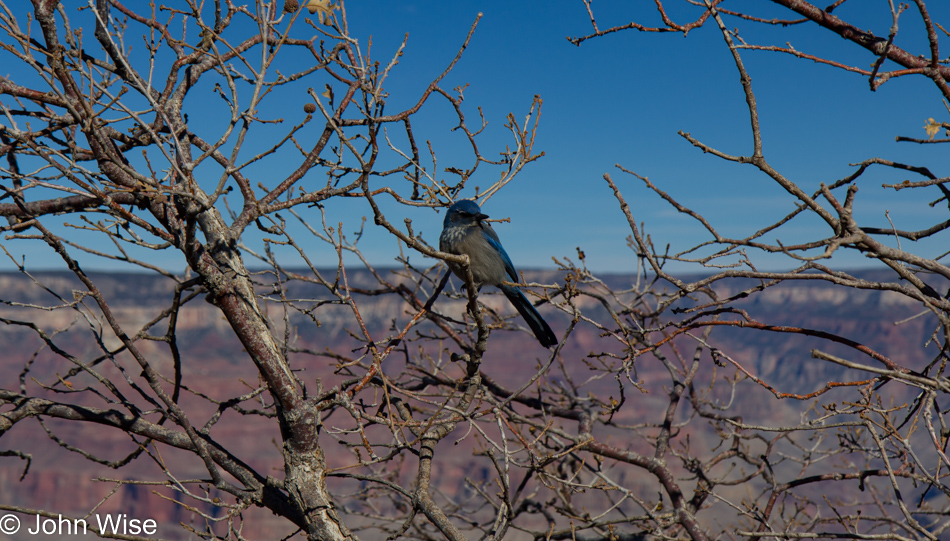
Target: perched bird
(465,232)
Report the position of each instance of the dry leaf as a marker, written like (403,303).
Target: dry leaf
(323,9)
(932,127)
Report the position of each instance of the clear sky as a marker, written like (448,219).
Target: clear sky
(621,98)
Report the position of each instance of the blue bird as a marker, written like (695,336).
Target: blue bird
(464,231)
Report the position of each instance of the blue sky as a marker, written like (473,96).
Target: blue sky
(620,99)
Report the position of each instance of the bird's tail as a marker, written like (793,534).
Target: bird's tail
(531,316)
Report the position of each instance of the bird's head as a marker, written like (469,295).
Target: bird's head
(463,212)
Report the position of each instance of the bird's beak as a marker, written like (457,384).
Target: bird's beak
(480,216)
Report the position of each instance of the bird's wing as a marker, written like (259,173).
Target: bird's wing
(492,239)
